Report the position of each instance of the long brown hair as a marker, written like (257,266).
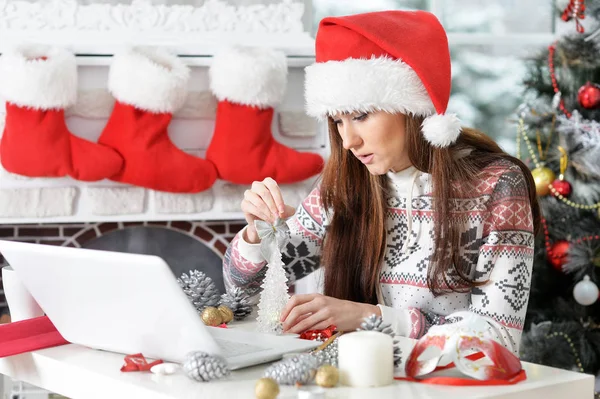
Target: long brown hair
(355,239)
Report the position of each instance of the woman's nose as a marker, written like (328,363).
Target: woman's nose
(350,139)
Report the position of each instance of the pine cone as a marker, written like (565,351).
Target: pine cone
(239,302)
(375,323)
(200,290)
(201,366)
(298,369)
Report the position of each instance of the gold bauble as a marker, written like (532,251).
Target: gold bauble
(266,388)
(327,376)
(226,313)
(543,177)
(211,316)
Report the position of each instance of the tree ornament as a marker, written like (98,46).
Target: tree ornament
(542,176)
(557,256)
(585,292)
(375,323)
(562,186)
(589,96)
(200,290)
(226,314)
(274,295)
(561,102)
(266,388)
(211,316)
(327,376)
(299,369)
(238,301)
(201,366)
(575,10)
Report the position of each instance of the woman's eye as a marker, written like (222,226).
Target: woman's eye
(361,117)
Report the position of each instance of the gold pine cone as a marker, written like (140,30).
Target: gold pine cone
(266,388)
(226,313)
(211,316)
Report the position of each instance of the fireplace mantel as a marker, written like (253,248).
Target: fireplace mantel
(189,30)
(94,33)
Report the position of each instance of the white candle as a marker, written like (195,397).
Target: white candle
(366,359)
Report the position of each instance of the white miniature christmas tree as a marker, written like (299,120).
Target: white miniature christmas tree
(274,295)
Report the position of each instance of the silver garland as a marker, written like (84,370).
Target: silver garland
(299,369)
(201,366)
(375,323)
(200,290)
(327,355)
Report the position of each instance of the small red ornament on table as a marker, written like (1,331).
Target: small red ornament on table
(138,362)
(319,335)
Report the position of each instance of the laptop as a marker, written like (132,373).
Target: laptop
(131,303)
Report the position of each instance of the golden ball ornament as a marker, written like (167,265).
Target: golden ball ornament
(226,313)
(543,177)
(211,316)
(327,376)
(266,388)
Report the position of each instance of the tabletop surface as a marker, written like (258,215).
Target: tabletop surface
(79,372)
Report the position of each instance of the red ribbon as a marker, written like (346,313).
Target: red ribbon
(28,335)
(138,362)
(458,381)
(319,335)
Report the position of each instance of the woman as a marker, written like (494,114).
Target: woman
(415,217)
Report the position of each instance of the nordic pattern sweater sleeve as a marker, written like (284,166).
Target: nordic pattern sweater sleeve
(243,265)
(505,261)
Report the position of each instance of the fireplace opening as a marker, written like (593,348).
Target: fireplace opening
(182,252)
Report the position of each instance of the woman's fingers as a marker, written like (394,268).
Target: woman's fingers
(256,206)
(295,301)
(265,194)
(312,322)
(273,188)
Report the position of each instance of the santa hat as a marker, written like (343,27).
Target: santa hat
(392,61)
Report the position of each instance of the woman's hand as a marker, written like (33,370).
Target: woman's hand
(317,312)
(263,202)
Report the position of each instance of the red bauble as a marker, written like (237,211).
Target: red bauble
(558,254)
(589,96)
(562,187)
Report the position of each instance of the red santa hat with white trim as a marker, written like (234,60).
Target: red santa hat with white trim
(392,61)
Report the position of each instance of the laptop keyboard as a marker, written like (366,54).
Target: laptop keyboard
(232,348)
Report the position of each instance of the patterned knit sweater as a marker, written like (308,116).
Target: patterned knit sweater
(496,243)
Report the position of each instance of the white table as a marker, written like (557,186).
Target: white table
(78,372)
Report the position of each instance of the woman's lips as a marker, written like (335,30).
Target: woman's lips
(366,159)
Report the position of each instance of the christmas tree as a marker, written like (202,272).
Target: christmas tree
(274,295)
(558,135)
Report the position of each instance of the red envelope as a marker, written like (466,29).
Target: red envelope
(28,335)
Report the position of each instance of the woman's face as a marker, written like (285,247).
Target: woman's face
(377,139)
